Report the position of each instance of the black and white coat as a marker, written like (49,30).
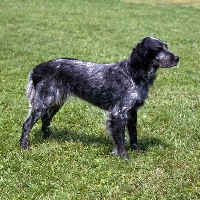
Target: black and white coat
(119,88)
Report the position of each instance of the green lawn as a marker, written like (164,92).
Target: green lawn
(194,3)
(75,163)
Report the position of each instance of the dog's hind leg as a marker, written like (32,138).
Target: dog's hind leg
(27,126)
(116,125)
(40,100)
(46,119)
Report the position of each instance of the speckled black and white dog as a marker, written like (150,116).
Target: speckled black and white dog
(119,88)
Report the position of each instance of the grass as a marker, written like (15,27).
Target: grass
(75,162)
(193,3)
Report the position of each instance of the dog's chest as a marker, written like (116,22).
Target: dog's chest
(144,84)
(142,91)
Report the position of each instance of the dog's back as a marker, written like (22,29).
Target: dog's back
(99,84)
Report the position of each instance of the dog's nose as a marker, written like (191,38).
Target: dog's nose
(176,58)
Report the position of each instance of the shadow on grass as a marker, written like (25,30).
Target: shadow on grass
(64,135)
(149,142)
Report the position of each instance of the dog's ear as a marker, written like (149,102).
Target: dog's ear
(140,54)
(144,52)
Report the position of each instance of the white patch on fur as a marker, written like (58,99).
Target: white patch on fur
(154,38)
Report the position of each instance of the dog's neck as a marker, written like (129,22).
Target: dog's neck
(142,73)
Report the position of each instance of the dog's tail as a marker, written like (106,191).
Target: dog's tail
(30,90)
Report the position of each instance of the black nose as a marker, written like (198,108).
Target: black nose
(176,58)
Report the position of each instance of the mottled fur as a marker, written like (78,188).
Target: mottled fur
(119,88)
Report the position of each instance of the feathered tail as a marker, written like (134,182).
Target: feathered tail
(30,90)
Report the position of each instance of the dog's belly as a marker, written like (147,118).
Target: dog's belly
(105,100)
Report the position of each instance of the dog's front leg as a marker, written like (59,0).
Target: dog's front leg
(132,129)
(117,124)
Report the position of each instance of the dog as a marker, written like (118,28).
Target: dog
(119,88)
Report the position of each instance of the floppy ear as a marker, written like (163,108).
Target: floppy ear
(139,54)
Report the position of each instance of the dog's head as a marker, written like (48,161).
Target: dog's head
(156,52)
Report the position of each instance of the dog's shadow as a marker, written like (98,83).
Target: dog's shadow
(147,143)
(64,135)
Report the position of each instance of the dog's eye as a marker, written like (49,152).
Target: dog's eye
(159,49)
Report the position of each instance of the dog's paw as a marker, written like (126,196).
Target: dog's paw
(24,145)
(135,147)
(123,154)
(46,132)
